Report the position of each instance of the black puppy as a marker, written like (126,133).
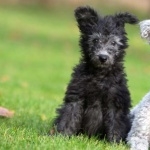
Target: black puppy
(97,99)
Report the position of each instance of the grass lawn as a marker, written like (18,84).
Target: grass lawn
(38,49)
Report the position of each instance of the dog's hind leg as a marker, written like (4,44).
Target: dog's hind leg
(69,118)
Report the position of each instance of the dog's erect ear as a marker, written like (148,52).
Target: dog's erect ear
(86,18)
(126,17)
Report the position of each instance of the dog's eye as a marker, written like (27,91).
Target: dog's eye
(113,43)
(95,41)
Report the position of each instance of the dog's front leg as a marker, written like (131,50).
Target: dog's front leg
(69,118)
(116,124)
(92,120)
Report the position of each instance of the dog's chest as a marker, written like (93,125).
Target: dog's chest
(100,86)
(101,83)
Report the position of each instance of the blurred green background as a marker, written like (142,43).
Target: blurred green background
(38,49)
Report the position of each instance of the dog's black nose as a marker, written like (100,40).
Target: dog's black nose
(103,58)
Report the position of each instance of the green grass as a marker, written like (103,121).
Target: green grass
(38,49)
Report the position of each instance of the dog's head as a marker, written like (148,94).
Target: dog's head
(103,39)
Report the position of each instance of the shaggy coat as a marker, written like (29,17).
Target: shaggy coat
(97,99)
(139,135)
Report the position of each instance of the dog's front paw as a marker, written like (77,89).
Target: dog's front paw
(114,137)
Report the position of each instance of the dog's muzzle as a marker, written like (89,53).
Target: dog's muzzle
(103,58)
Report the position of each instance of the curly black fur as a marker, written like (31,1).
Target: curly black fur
(97,99)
